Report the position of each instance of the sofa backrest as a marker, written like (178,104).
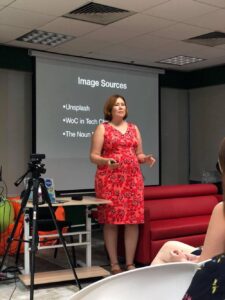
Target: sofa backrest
(180,207)
(178,201)
(176,191)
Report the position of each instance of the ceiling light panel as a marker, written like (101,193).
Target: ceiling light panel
(181,60)
(45,38)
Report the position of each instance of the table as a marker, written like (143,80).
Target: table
(64,275)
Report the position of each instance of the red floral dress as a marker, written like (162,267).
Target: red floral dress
(123,185)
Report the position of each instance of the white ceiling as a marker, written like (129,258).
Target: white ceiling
(155,32)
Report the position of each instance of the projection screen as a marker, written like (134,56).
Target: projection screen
(70,95)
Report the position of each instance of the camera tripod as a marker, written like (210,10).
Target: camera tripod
(35,184)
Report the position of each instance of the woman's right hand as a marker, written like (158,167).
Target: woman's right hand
(112,163)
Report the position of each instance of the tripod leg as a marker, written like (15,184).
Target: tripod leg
(11,237)
(73,253)
(19,246)
(34,243)
(45,196)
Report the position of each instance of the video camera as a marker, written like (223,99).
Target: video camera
(34,157)
(35,163)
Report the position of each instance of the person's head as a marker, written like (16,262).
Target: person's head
(111,103)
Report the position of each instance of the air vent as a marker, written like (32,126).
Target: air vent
(210,39)
(98,13)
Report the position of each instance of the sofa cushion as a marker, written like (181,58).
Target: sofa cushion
(184,190)
(169,229)
(180,207)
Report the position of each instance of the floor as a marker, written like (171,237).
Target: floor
(12,289)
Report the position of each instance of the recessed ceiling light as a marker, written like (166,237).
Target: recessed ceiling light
(181,60)
(45,38)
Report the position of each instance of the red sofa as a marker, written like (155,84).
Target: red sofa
(178,212)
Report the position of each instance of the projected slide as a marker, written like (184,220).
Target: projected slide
(69,105)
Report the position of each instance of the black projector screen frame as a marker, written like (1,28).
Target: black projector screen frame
(69,97)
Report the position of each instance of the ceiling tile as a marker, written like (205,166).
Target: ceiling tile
(155,32)
(9,33)
(221,46)
(215,3)
(5,2)
(147,41)
(214,20)
(83,44)
(49,7)
(133,5)
(109,57)
(181,31)
(27,45)
(70,26)
(22,18)
(112,35)
(68,51)
(179,10)
(141,24)
(121,51)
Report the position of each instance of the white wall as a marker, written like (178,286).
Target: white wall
(174,136)
(207,128)
(15,129)
(205,117)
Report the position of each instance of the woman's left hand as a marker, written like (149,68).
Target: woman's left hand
(177,256)
(149,160)
(180,256)
(192,257)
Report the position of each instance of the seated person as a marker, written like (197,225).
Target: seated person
(175,251)
(214,244)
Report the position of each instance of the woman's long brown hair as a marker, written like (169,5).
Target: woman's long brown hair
(221,162)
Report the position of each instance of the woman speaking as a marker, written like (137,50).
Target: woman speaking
(116,149)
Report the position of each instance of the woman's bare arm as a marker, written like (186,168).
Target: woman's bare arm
(142,158)
(215,237)
(96,148)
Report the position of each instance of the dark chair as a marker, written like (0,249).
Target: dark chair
(46,223)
